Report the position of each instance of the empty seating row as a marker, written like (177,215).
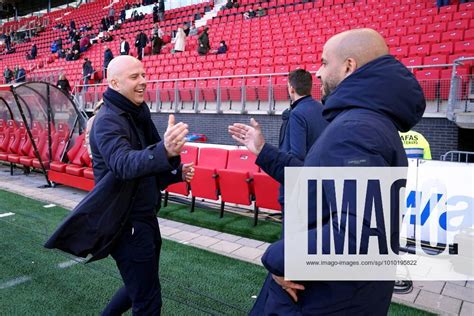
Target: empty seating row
(229,175)
(77,172)
(17,148)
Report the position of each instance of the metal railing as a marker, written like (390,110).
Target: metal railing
(461,90)
(236,94)
(258,93)
(458,156)
(49,75)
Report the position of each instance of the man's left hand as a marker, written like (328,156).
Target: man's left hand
(188,171)
(290,287)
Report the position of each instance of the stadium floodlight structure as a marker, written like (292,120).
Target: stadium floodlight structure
(43,120)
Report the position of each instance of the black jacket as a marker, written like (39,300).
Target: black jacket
(121,162)
(64,85)
(126,47)
(141,40)
(108,56)
(87,69)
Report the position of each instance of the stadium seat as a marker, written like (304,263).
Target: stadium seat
(429,82)
(205,183)
(188,154)
(235,180)
(266,193)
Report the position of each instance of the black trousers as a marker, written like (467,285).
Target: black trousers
(137,256)
(140,52)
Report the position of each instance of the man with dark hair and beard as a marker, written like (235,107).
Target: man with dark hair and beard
(369,97)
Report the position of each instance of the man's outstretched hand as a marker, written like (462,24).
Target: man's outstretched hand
(248,135)
(175,137)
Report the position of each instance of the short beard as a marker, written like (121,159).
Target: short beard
(329,86)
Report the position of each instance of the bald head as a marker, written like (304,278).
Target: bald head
(363,45)
(126,75)
(345,52)
(119,65)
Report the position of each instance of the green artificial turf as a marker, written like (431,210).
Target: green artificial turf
(194,281)
(231,223)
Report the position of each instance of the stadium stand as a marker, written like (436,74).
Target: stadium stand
(253,72)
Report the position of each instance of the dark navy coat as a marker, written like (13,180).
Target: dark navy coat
(108,56)
(302,125)
(121,161)
(365,113)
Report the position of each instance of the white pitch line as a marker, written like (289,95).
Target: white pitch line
(49,205)
(69,263)
(14,282)
(7,214)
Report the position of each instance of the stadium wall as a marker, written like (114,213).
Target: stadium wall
(441,133)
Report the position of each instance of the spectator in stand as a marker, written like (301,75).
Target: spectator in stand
(222,48)
(8,74)
(15,72)
(141,16)
(441,3)
(124,46)
(84,43)
(186,28)
(21,75)
(236,4)
(180,41)
(127,6)
(161,10)
(122,15)
(76,55)
(140,43)
(54,47)
(71,34)
(156,44)
(193,30)
(69,54)
(229,4)
(61,53)
(76,46)
(108,56)
(107,37)
(134,16)
(33,53)
(156,17)
(203,43)
(59,43)
(89,26)
(261,12)
(72,25)
(63,84)
(8,41)
(252,13)
(105,23)
(156,31)
(77,36)
(87,71)
(111,16)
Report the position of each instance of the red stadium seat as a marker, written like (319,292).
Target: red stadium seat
(188,154)
(442,48)
(236,179)
(429,82)
(205,183)
(266,192)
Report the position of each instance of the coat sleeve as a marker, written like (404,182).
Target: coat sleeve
(274,161)
(352,145)
(121,159)
(170,177)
